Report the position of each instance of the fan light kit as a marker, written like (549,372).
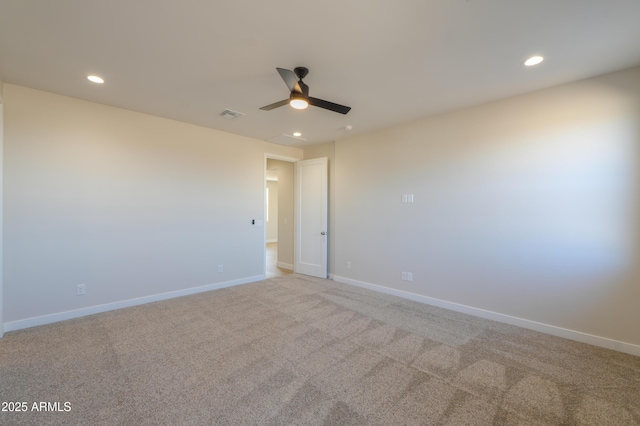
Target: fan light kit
(299,97)
(298,103)
(297,134)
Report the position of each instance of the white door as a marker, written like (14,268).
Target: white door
(311,217)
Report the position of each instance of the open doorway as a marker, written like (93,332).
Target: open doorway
(279,216)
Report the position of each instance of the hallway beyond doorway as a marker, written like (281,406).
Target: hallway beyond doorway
(272,260)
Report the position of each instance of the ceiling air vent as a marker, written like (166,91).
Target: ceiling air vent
(230,114)
(285,139)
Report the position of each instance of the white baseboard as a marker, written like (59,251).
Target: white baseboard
(272,241)
(77,313)
(578,336)
(283,265)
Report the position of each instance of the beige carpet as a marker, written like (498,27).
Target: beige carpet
(298,350)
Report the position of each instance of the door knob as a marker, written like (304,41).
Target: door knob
(323,233)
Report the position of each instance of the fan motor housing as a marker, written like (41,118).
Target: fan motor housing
(301,72)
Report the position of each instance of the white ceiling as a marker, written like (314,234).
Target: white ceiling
(391,61)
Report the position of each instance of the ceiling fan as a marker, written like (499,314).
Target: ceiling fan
(299,98)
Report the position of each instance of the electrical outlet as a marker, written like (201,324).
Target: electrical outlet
(81,289)
(409,276)
(220,268)
(403,276)
(348,265)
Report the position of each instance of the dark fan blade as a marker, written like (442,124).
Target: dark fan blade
(329,105)
(275,105)
(290,80)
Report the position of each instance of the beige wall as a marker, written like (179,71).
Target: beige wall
(272,223)
(128,204)
(526,207)
(319,151)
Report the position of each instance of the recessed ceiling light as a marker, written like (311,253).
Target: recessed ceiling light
(534,60)
(95,79)
(297,134)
